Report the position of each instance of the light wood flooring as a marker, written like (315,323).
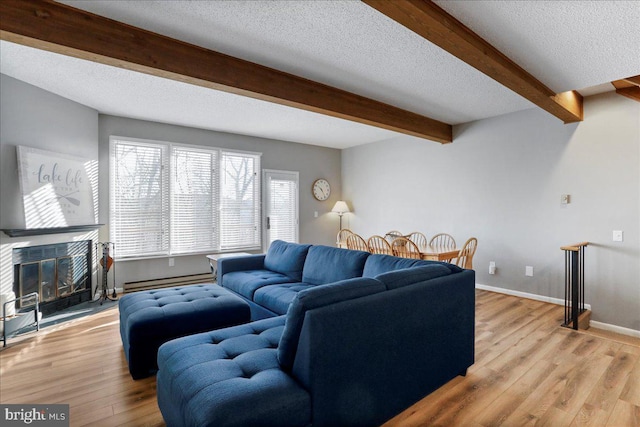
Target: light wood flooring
(528,371)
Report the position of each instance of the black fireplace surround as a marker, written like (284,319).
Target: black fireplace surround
(60,273)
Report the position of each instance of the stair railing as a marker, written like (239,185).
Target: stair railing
(573,283)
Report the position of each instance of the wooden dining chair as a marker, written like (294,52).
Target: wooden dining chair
(390,236)
(465,257)
(443,240)
(418,238)
(356,242)
(379,245)
(405,248)
(341,240)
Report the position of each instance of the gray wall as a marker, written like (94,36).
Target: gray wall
(36,118)
(312,162)
(501,181)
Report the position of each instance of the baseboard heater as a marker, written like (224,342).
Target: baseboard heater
(167,282)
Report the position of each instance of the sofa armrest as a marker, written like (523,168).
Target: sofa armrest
(366,360)
(241,263)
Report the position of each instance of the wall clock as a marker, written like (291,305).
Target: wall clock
(321,189)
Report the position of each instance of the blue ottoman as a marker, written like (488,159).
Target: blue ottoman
(148,319)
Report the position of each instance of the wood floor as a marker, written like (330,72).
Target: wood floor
(528,371)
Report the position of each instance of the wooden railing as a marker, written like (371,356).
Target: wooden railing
(573,283)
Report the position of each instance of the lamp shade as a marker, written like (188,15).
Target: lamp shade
(340,207)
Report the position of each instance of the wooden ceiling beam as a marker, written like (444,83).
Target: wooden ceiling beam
(635,80)
(629,87)
(434,24)
(622,84)
(63,29)
(630,92)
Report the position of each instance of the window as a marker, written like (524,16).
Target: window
(240,202)
(171,199)
(194,191)
(139,199)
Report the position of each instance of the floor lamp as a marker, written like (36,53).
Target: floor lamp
(340,208)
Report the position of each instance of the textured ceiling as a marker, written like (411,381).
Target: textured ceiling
(568,45)
(346,44)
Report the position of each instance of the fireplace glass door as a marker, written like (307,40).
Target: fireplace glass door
(53,278)
(48,280)
(30,281)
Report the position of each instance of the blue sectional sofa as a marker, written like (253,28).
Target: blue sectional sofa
(337,338)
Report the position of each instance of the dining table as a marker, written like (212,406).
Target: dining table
(438,253)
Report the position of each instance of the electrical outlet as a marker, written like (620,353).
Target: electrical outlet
(528,271)
(565,199)
(617,236)
(172,262)
(492,267)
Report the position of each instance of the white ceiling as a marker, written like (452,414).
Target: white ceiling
(346,44)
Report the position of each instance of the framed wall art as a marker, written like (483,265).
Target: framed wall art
(56,188)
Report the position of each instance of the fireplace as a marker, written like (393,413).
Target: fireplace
(60,273)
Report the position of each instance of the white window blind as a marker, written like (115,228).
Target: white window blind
(176,199)
(139,199)
(240,201)
(194,196)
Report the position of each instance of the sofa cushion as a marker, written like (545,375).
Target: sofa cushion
(378,264)
(245,283)
(315,297)
(409,276)
(286,258)
(278,297)
(325,264)
(230,377)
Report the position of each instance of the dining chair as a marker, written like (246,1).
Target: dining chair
(405,248)
(418,238)
(465,257)
(443,240)
(379,245)
(356,242)
(341,240)
(390,236)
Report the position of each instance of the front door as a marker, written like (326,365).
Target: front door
(280,206)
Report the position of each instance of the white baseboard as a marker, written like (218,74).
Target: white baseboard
(616,329)
(558,301)
(527,295)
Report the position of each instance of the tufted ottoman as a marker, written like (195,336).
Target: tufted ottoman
(150,318)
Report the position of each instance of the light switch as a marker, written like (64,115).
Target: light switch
(617,236)
(565,199)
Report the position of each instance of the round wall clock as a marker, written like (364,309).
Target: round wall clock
(321,189)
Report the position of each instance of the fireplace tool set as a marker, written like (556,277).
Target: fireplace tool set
(106,261)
